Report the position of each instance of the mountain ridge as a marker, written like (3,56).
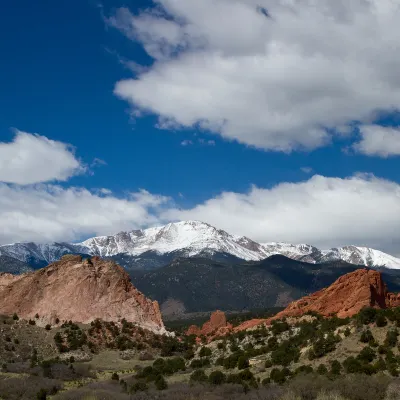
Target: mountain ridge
(155,247)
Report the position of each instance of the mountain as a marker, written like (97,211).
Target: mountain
(198,285)
(81,291)
(153,248)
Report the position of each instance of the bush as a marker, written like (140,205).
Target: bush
(322,370)
(268,364)
(48,327)
(200,363)
(352,365)
(366,355)
(216,378)
(391,338)
(243,363)
(138,387)
(161,383)
(380,321)
(366,336)
(15,317)
(367,315)
(41,394)
(115,377)
(323,346)
(278,376)
(205,352)
(304,369)
(198,376)
(32,322)
(336,367)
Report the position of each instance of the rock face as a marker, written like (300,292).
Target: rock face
(344,298)
(81,291)
(216,326)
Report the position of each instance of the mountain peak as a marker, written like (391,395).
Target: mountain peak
(193,238)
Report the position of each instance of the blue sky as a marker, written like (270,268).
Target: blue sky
(250,118)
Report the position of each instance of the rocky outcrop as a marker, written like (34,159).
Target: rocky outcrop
(81,291)
(344,298)
(216,326)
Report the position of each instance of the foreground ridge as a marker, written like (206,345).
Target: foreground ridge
(81,291)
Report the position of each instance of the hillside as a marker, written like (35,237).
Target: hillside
(195,284)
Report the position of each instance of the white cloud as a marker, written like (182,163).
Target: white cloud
(273,83)
(378,141)
(360,210)
(31,158)
(49,213)
(186,143)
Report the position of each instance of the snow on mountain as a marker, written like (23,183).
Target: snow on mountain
(39,255)
(301,252)
(191,238)
(360,256)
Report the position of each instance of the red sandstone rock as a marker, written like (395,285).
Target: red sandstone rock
(216,326)
(79,291)
(344,298)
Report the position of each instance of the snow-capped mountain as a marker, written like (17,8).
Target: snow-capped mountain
(155,247)
(360,256)
(39,255)
(191,237)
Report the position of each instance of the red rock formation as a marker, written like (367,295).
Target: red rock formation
(216,326)
(81,291)
(344,298)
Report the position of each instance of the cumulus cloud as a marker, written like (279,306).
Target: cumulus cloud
(31,158)
(360,210)
(378,141)
(274,74)
(48,213)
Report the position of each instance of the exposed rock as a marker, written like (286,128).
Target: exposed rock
(79,291)
(344,298)
(216,326)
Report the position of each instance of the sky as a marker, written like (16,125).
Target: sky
(274,119)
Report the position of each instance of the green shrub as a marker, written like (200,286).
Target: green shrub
(323,346)
(278,376)
(268,364)
(322,370)
(367,315)
(366,336)
(304,369)
(161,383)
(200,363)
(352,365)
(216,378)
(336,367)
(15,317)
(205,352)
(198,376)
(138,387)
(243,362)
(381,321)
(391,338)
(42,394)
(366,355)
(48,327)
(115,377)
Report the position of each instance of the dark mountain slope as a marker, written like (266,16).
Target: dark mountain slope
(200,285)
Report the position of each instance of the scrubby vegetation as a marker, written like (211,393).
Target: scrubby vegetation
(308,358)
